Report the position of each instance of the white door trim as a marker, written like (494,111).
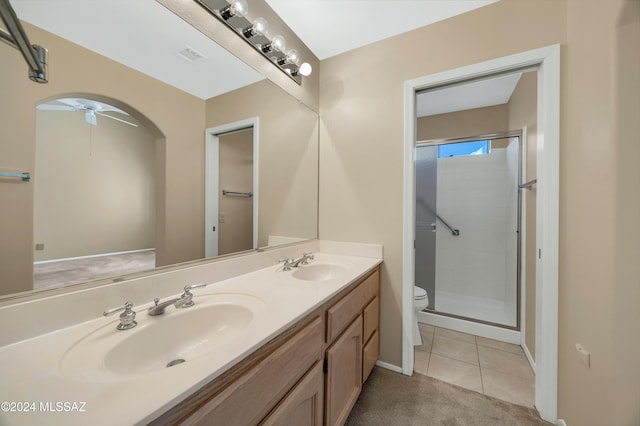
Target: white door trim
(212,184)
(547,61)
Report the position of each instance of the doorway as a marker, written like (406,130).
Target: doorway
(547,63)
(231,173)
(95,197)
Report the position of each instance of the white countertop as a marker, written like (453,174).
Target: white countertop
(36,389)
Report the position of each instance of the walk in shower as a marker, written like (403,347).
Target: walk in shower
(467,225)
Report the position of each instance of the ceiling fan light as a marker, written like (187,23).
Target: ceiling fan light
(90,117)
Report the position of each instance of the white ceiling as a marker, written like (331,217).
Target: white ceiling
(145,36)
(331,27)
(477,94)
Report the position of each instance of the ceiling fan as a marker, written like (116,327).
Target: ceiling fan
(90,107)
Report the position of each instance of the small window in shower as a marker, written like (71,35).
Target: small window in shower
(463,148)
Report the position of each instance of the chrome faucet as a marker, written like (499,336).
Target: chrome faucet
(184,301)
(159,308)
(290,263)
(127,318)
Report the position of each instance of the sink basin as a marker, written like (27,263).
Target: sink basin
(215,323)
(319,272)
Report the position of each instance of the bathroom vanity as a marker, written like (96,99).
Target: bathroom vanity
(261,345)
(325,356)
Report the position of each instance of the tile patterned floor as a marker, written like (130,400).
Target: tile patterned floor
(487,366)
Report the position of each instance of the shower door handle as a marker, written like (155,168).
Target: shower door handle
(433,227)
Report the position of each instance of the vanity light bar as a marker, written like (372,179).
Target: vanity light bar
(232,13)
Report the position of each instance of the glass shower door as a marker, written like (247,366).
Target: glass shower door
(466,230)
(426,198)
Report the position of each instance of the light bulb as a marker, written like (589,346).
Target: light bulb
(260,27)
(292,57)
(235,8)
(305,69)
(279,43)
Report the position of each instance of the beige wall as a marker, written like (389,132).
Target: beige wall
(235,217)
(288,156)
(361,163)
(460,124)
(522,112)
(95,191)
(179,121)
(626,293)
(599,242)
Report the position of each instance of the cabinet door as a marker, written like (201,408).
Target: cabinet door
(303,405)
(370,354)
(344,374)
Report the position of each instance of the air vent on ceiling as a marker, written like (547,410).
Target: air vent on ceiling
(190,54)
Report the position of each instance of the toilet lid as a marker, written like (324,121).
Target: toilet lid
(419,292)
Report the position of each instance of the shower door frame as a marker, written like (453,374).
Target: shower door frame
(547,61)
(491,136)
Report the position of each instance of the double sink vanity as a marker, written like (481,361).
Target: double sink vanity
(261,342)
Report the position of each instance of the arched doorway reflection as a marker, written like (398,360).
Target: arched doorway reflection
(94,190)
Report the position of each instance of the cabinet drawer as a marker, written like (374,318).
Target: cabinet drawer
(248,399)
(370,354)
(371,317)
(340,315)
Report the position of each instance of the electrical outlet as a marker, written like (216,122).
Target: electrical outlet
(584,355)
(221,218)
(39,246)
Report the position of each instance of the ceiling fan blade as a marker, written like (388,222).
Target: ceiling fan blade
(72,102)
(51,107)
(116,118)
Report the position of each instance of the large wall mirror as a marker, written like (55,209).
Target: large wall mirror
(119,146)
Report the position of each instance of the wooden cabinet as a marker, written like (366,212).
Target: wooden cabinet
(311,374)
(353,347)
(343,381)
(371,349)
(303,405)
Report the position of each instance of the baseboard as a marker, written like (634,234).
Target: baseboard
(91,256)
(562,422)
(532,363)
(388,366)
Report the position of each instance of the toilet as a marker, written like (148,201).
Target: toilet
(420,302)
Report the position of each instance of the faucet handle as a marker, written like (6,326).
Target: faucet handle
(186,300)
(306,257)
(287,263)
(192,286)
(127,318)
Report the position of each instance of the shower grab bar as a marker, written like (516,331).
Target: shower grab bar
(454,231)
(24,176)
(241,194)
(528,185)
